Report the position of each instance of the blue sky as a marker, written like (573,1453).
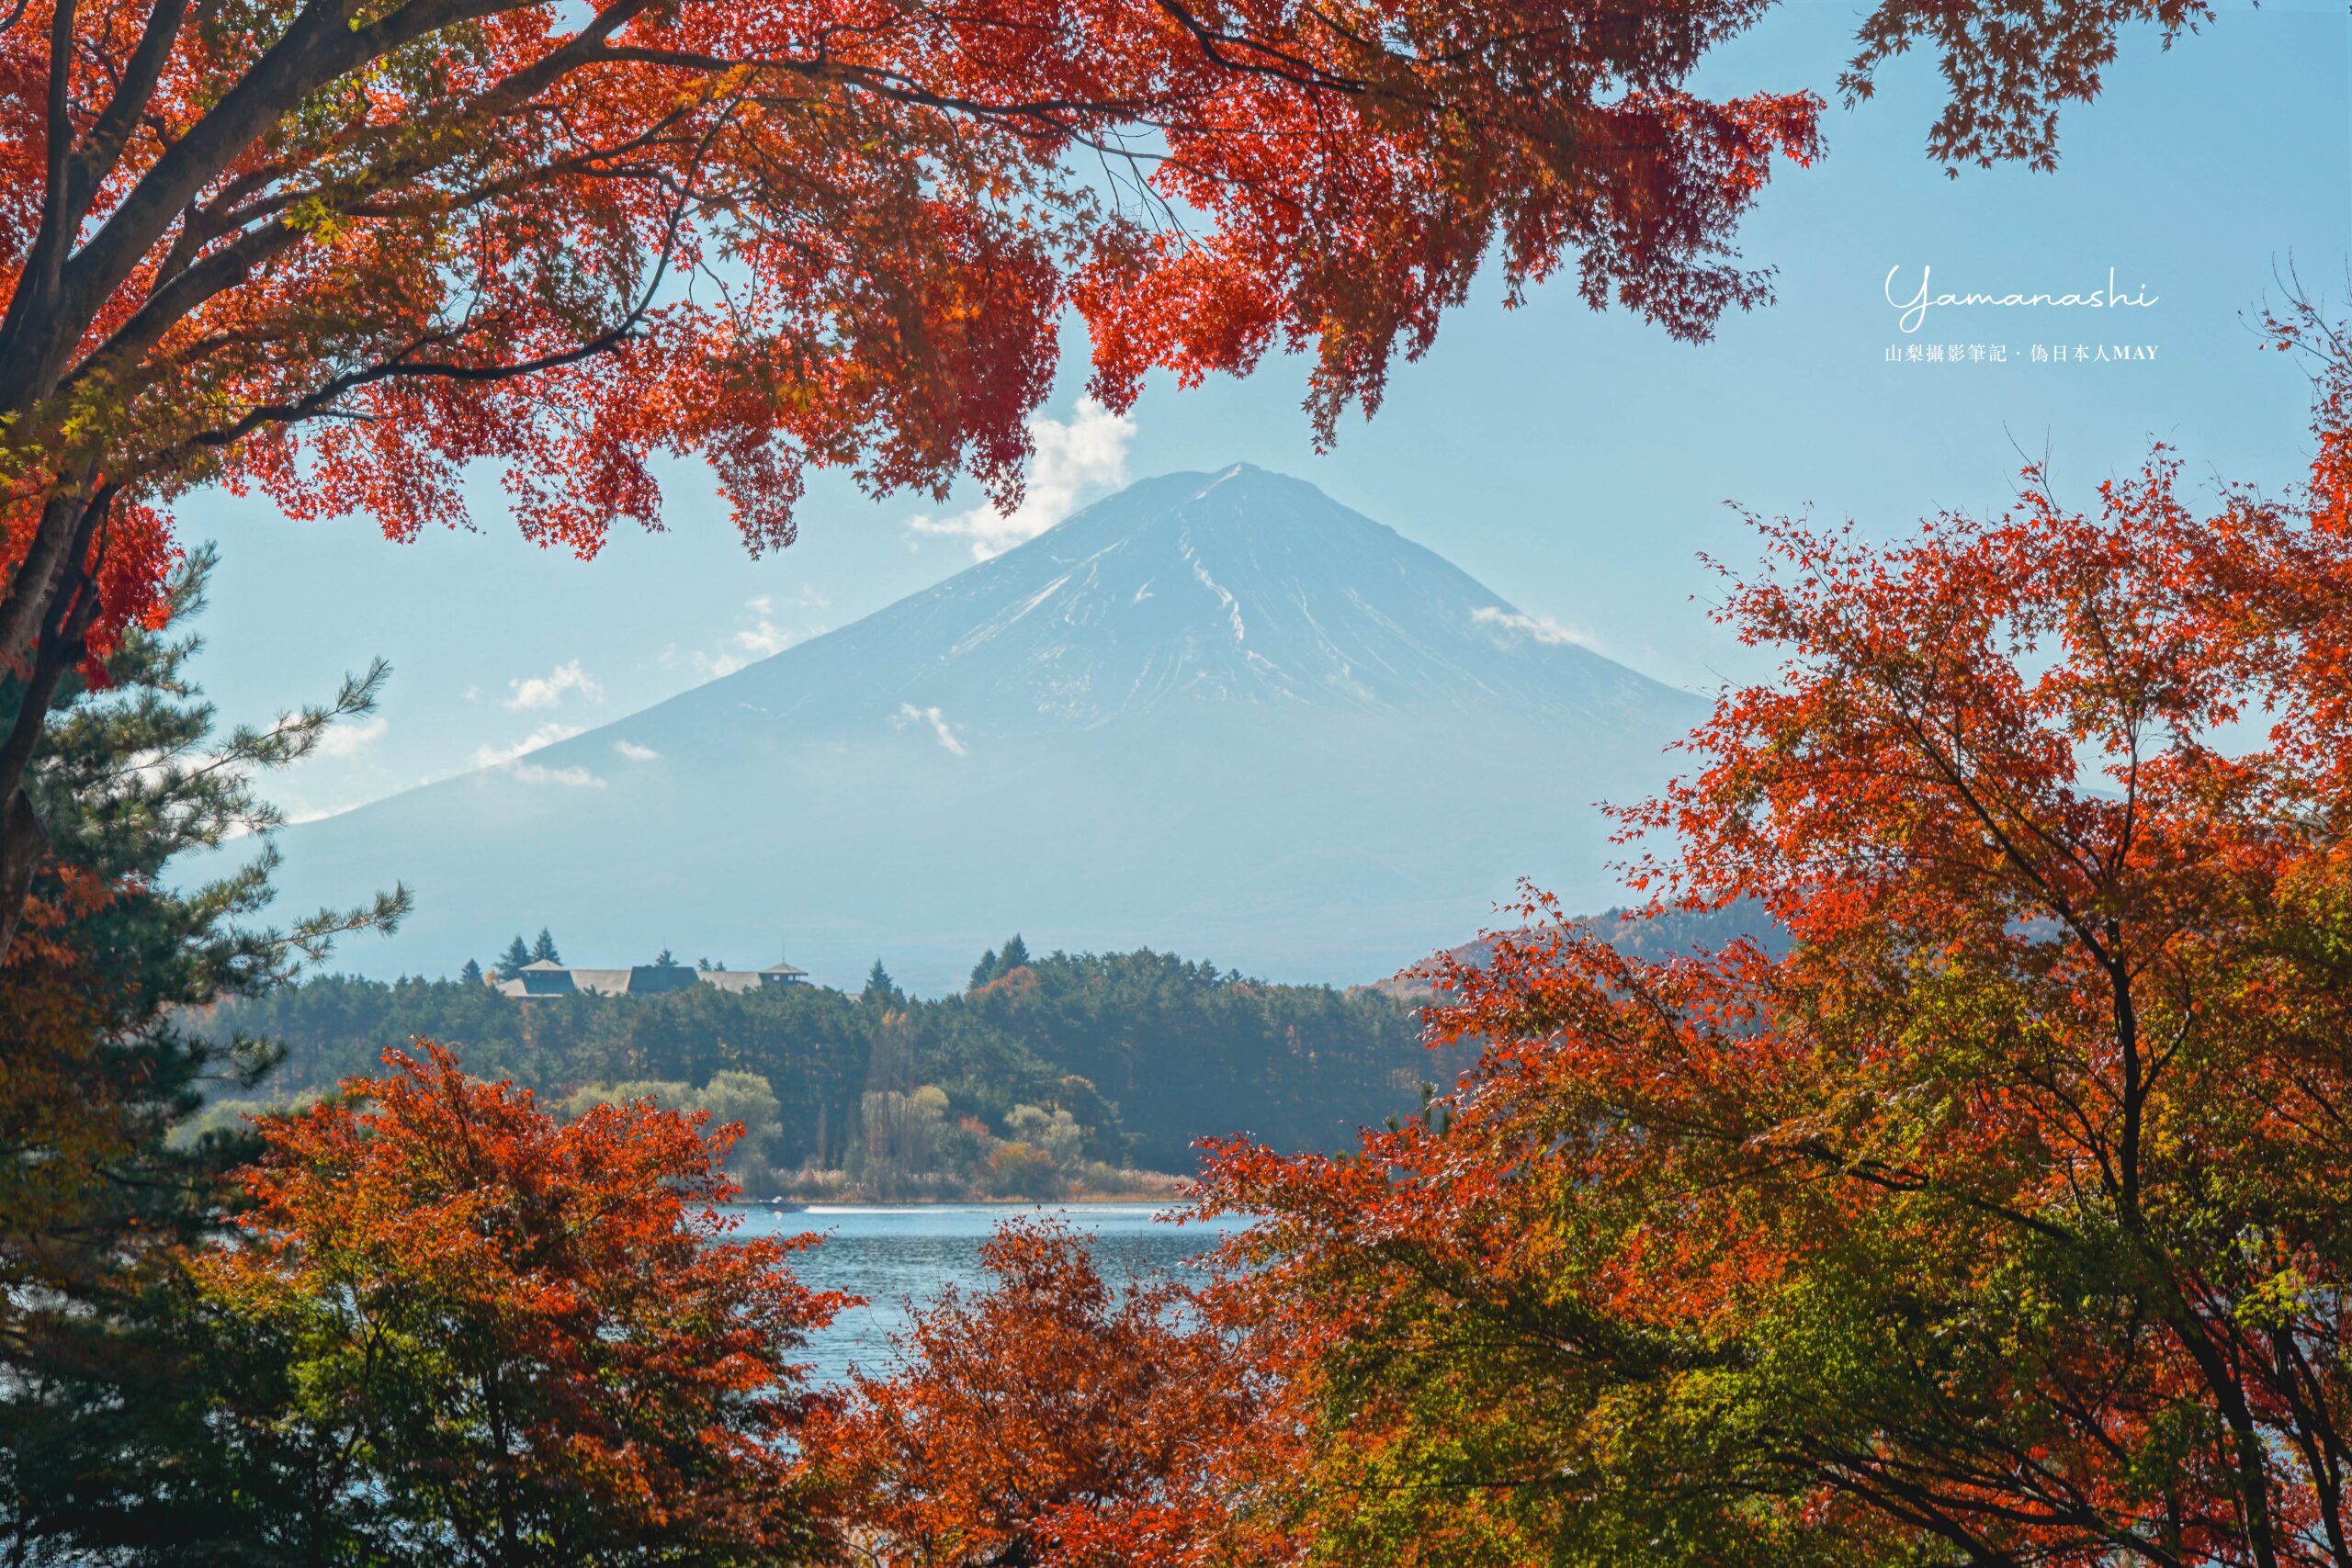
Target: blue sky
(1576,463)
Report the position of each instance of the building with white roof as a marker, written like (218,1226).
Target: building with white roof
(547,978)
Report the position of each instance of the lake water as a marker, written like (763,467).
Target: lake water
(895,1254)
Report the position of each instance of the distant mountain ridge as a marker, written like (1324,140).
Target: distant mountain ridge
(1219,713)
(1644,937)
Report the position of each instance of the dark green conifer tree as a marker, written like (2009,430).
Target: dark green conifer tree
(471,974)
(1015,956)
(105,1453)
(985,970)
(879,988)
(543,951)
(510,962)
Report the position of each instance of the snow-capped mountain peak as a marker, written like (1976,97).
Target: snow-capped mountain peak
(1242,586)
(1218,713)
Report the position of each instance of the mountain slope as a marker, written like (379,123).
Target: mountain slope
(1218,713)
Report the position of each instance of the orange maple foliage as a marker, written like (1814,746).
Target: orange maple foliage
(1053,1421)
(2008,1218)
(64,1114)
(2010,64)
(780,235)
(530,1340)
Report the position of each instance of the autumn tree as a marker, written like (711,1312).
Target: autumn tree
(335,253)
(514,1340)
(2004,1220)
(1051,1421)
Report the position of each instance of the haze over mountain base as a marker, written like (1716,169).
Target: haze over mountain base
(1215,714)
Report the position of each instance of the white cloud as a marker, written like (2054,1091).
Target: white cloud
(347,740)
(1088,453)
(635,752)
(1542,628)
(294,819)
(909,713)
(545,735)
(575,778)
(761,639)
(548,690)
(504,758)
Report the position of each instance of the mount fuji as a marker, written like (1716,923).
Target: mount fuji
(1219,713)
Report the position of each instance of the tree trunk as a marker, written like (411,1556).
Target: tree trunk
(68,603)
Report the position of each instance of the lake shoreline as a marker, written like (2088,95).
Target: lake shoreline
(899,1257)
(1076,1199)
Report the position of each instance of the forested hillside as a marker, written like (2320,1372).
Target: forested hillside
(1142,1051)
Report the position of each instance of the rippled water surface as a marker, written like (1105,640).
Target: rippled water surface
(890,1254)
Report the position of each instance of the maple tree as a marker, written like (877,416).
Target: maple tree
(2009,67)
(337,250)
(1052,1421)
(2003,1220)
(514,1340)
